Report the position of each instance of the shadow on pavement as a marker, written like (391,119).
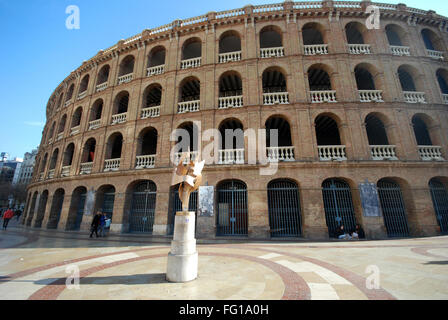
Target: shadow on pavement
(135,279)
(437,262)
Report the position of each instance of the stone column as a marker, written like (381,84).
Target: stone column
(314,225)
(420,211)
(116,225)
(89,208)
(160,227)
(64,212)
(258,217)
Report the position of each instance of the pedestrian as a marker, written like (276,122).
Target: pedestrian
(102,224)
(6,217)
(358,233)
(18,214)
(342,234)
(95,224)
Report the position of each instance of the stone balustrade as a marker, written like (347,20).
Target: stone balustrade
(435,54)
(119,118)
(148,161)
(370,95)
(74,130)
(445,98)
(414,97)
(60,136)
(151,112)
(429,153)
(272,52)
(111,165)
(51,173)
(193,155)
(67,103)
(315,49)
(41,176)
(332,153)
(359,49)
(65,171)
(383,153)
(275,98)
(82,95)
(230,102)
(276,154)
(191,63)
(400,51)
(229,57)
(50,140)
(323,96)
(101,87)
(86,168)
(152,71)
(188,106)
(126,78)
(231,156)
(95,124)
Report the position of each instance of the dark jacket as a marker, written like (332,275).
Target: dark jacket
(361,234)
(339,232)
(96,220)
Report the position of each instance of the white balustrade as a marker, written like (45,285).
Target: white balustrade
(74,130)
(60,136)
(370,95)
(268,7)
(191,63)
(400,50)
(193,155)
(230,102)
(126,78)
(231,156)
(445,98)
(41,176)
(111,165)
(323,96)
(315,49)
(86,168)
(119,118)
(435,54)
(147,161)
(152,71)
(188,106)
(332,153)
(414,97)
(275,98)
(67,103)
(51,173)
(82,95)
(151,112)
(308,5)
(101,87)
(272,52)
(95,124)
(65,171)
(429,153)
(230,57)
(359,48)
(383,153)
(276,154)
(50,140)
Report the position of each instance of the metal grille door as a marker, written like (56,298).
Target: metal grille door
(338,205)
(394,212)
(80,211)
(141,218)
(284,209)
(232,209)
(439,196)
(108,204)
(176,206)
(56,208)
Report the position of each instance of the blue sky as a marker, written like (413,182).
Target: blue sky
(38,52)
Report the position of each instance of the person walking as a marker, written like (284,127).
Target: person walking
(102,224)
(18,214)
(95,224)
(6,217)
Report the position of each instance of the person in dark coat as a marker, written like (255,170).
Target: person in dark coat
(359,233)
(18,214)
(95,223)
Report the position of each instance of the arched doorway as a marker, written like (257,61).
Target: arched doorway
(284,209)
(439,195)
(392,205)
(77,205)
(56,208)
(141,218)
(232,209)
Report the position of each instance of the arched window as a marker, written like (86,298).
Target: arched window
(103,75)
(70,92)
(114,146)
(56,208)
(271,42)
(62,123)
(127,66)
(275,89)
(146,148)
(229,47)
(54,159)
(328,139)
(232,142)
(68,155)
(76,211)
(156,57)
(76,119)
(421,131)
(278,140)
(84,84)
(41,209)
(191,53)
(230,90)
(189,95)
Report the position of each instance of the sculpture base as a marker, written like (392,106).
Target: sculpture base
(182,263)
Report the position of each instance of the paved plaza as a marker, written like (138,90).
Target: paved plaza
(33,265)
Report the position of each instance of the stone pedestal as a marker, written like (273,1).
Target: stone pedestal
(183,257)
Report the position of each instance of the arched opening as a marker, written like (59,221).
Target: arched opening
(319,79)
(271,37)
(70,92)
(54,159)
(278,139)
(275,89)
(32,209)
(421,131)
(176,206)
(147,142)
(41,209)
(43,164)
(328,139)
(338,206)
(284,209)
(141,217)
(88,152)
(229,42)
(232,142)
(442,79)
(121,103)
(105,198)
(156,57)
(376,131)
(126,66)
(232,218)
(230,90)
(406,77)
(439,195)
(114,146)
(354,32)
(51,132)
(84,84)
(189,132)
(76,119)
(103,75)
(76,211)
(312,34)
(152,96)
(192,49)
(364,79)
(62,124)
(394,35)
(431,40)
(392,206)
(190,90)
(68,155)
(97,110)
(56,208)
(61,96)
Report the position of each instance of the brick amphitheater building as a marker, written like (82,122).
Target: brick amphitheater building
(362,117)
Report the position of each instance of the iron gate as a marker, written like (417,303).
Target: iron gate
(41,210)
(108,205)
(232,209)
(338,205)
(284,209)
(56,208)
(392,205)
(176,206)
(439,196)
(141,218)
(80,211)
